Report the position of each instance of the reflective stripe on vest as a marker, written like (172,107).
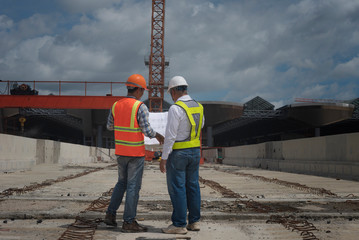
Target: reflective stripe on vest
(194,112)
(129,139)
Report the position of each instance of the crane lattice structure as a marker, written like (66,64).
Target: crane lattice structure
(156,60)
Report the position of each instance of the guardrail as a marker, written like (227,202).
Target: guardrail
(25,84)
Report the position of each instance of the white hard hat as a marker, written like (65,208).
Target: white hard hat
(176,81)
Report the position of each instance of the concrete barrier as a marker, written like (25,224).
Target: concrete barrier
(17,153)
(21,153)
(211,155)
(74,154)
(331,156)
(47,151)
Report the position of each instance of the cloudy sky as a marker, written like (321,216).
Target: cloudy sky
(228,50)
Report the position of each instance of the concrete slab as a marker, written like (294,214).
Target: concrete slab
(46,212)
(33,229)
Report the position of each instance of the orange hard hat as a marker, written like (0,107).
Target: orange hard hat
(136,80)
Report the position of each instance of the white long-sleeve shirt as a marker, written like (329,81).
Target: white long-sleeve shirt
(178,127)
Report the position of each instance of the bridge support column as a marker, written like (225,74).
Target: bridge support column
(209,137)
(99,136)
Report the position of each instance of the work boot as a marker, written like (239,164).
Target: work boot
(193,226)
(171,229)
(133,227)
(110,220)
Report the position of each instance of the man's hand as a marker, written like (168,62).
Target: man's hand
(160,138)
(163,165)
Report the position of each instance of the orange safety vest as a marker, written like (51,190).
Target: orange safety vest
(129,139)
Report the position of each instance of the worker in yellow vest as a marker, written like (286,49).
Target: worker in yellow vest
(129,119)
(181,158)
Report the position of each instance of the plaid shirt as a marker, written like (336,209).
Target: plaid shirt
(142,118)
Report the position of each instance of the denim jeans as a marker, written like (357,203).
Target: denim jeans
(130,172)
(183,187)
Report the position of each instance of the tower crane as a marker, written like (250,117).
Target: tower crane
(156,61)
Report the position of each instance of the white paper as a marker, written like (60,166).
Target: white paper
(158,122)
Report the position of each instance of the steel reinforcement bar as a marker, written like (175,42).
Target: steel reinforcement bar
(298,186)
(48,182)
(304,227)
(82,228)
(291,223)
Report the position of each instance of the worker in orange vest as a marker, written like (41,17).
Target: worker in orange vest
(129,119)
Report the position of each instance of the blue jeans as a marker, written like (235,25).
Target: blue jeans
(130,172)
(183,187)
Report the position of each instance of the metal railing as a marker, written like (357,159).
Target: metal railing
(10,83)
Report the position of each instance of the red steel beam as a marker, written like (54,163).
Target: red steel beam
(57,102)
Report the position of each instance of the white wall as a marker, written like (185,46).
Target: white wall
(210,155)
(21,153)
(75,154)
(334,156)
(16,153)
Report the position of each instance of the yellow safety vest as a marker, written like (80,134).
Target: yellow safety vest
(194,111)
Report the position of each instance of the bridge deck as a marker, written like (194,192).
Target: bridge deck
(58,102)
